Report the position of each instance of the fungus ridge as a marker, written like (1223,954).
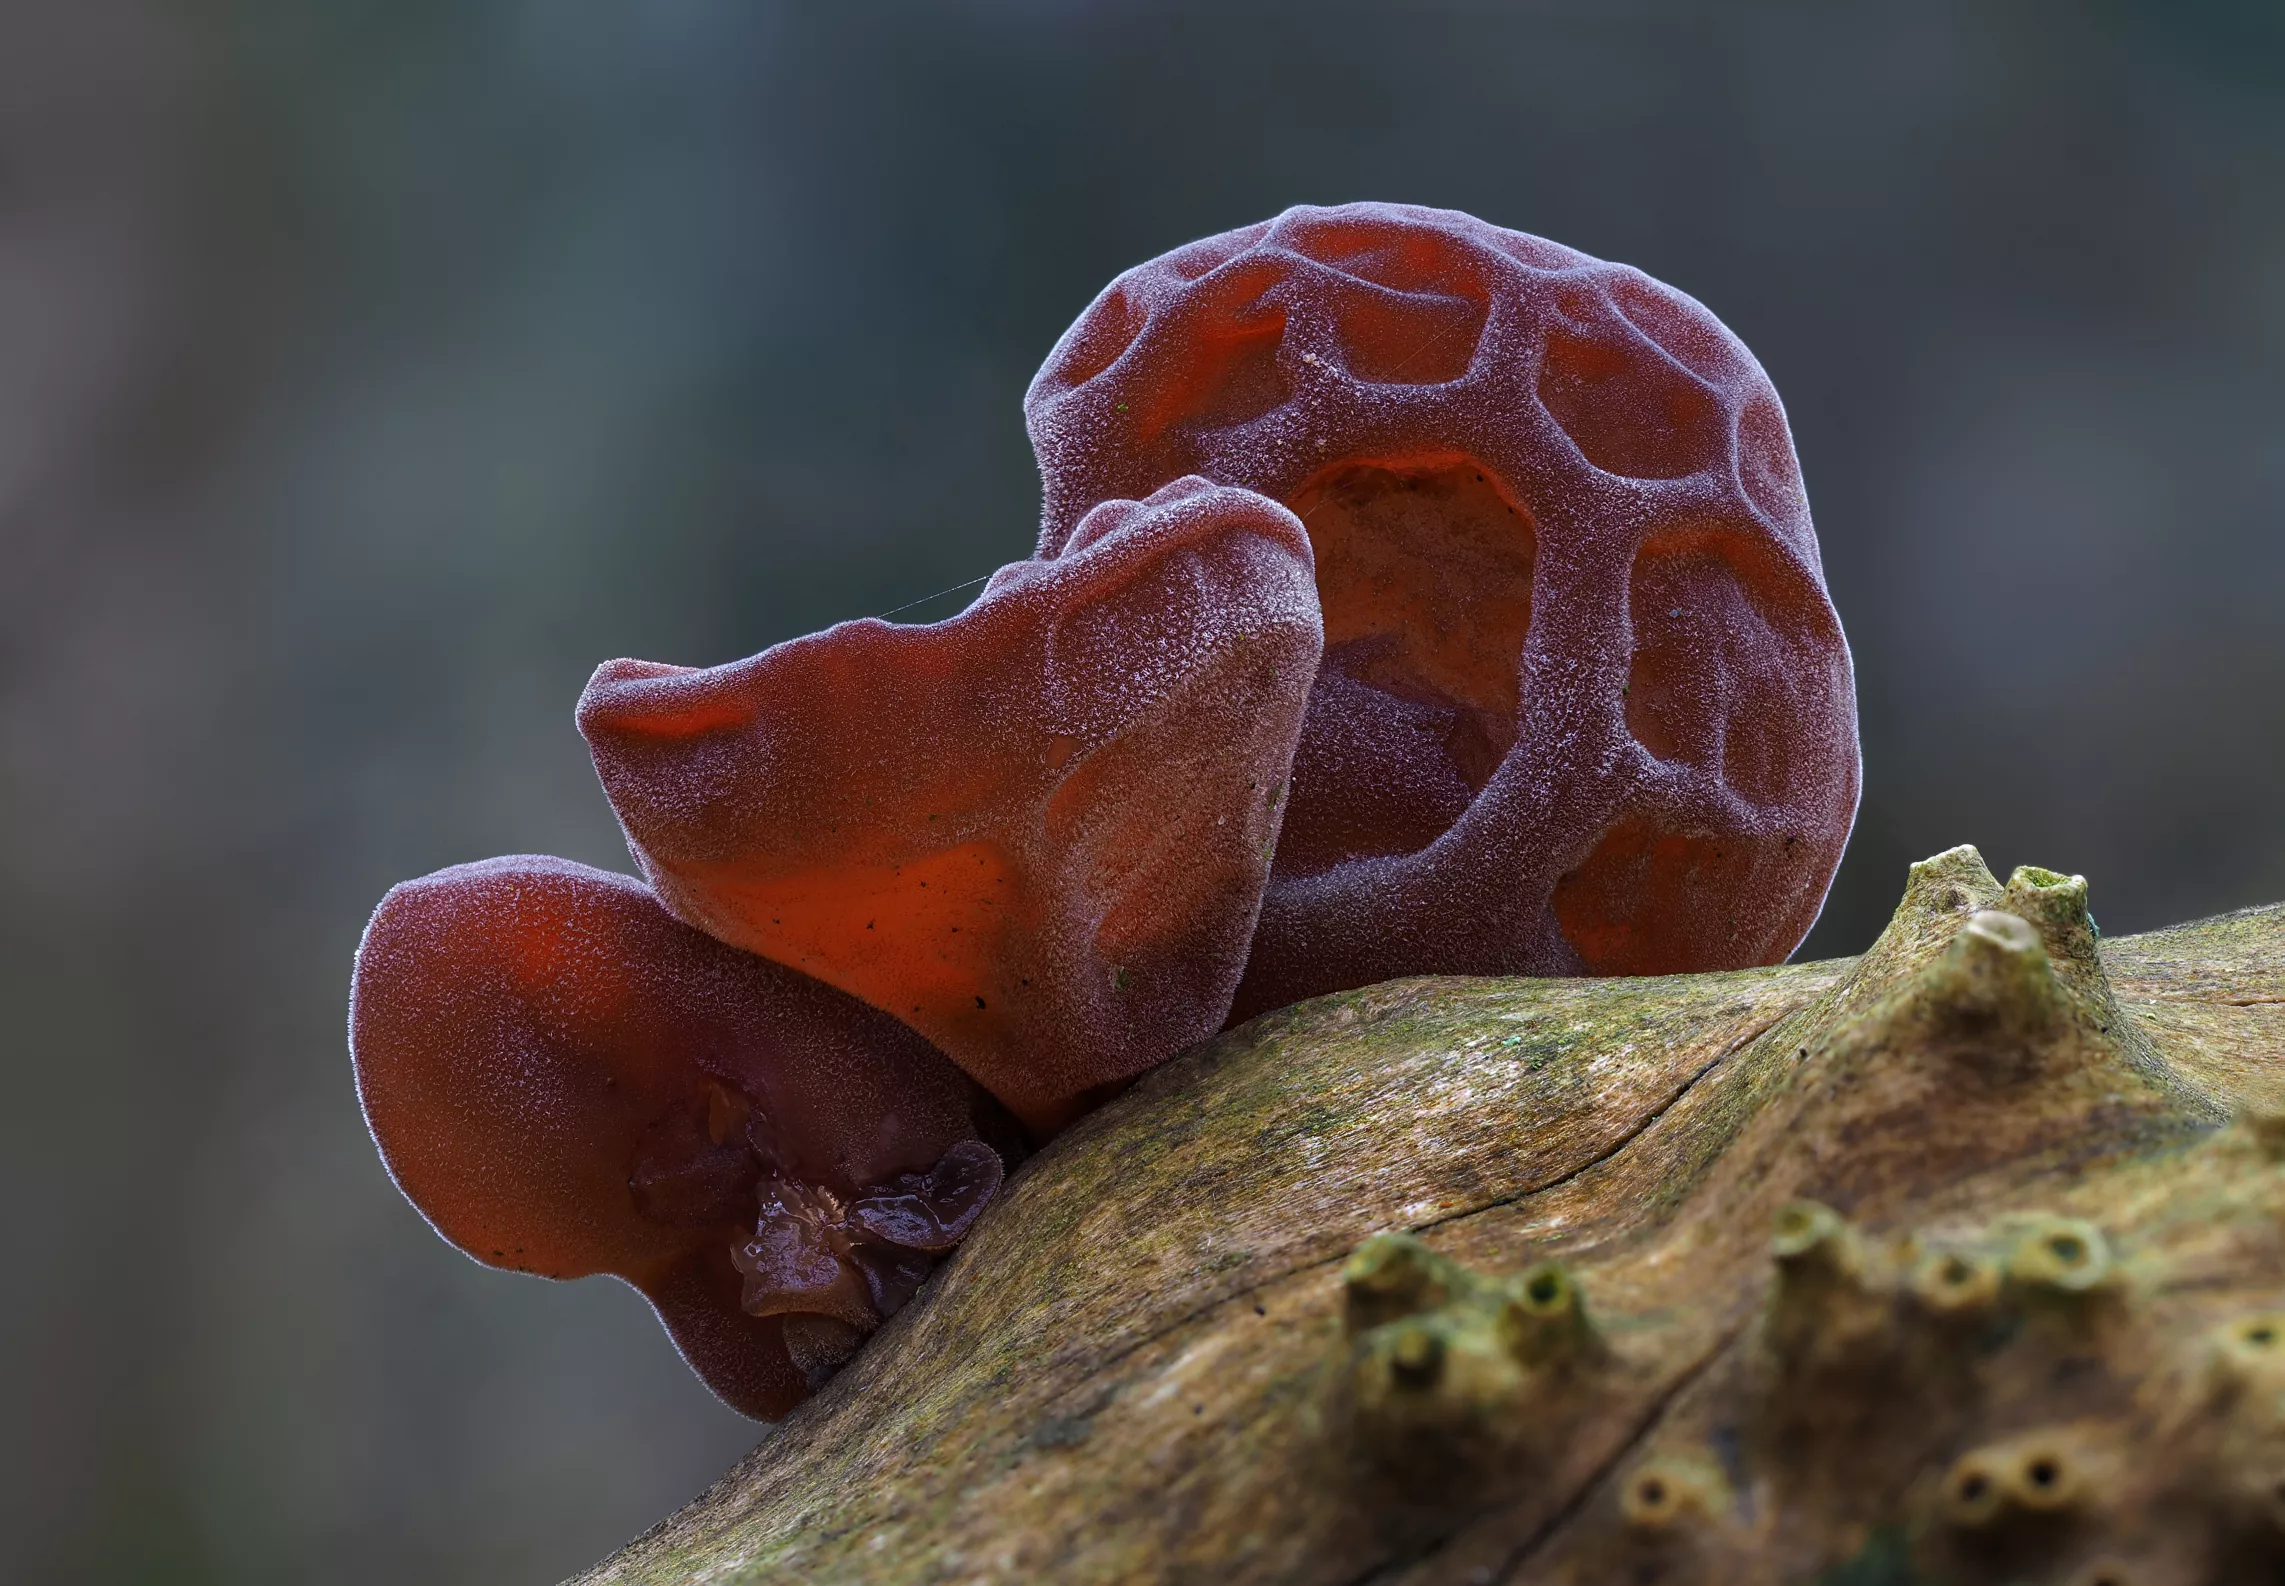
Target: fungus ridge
(1584,705)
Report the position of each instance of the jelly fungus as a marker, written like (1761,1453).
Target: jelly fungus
(1037,832)
(1413,596)
(566,1080)
(1585,706)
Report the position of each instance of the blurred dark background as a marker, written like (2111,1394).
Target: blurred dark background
(369,370)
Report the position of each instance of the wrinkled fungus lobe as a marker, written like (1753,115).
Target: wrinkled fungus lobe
(566,1080)
(1038,832)
(1467,576)
(1585,705)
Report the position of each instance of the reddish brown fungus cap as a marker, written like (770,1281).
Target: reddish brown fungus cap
(1584,703)
(566,1080)
(1037,832)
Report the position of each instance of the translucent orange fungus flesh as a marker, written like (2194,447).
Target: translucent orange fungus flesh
(566,1080)
(1585,705)
(1038,833)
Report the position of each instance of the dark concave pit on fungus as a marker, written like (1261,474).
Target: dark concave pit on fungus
(1424,577)
(1725,663)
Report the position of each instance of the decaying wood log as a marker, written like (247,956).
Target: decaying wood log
(1943,1264)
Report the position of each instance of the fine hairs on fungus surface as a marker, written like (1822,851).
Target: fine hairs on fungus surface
(1585,706)
(1413,596)
(1037,832)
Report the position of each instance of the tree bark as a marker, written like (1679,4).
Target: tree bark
(1945,1263)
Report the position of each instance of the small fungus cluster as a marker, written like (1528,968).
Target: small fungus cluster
(1412,596)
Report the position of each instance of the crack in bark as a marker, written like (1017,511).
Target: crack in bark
(1649,1120)
(1522,1557)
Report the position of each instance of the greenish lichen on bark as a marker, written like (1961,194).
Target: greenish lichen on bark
(1940,1264)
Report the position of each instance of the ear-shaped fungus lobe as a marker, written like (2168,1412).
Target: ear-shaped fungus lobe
(566,1080)
(1037,832)
(1585,704)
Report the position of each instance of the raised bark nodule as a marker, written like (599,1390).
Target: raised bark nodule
(1961,1261)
